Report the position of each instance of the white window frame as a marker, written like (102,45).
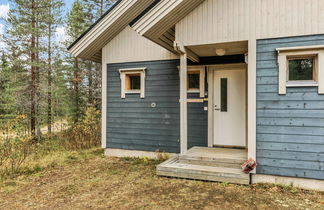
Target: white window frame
(124,72)
(201,89)
(285,54)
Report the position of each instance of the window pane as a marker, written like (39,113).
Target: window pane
(135,82)
(301,69)
(193,81)
(224,95)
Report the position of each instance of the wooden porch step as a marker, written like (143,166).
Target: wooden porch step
(217,157)
(225,163)
(174,168)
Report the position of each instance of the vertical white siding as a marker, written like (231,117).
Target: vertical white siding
(217,21)
(128,46)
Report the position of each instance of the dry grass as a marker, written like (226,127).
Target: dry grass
(88,180)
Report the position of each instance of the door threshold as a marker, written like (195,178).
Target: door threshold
(229,147)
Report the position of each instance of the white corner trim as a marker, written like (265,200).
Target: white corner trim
(251,110)
(123,73)
(133,153)
(183,104)
(309,184)
(104,104)
(210,78)
(202,83)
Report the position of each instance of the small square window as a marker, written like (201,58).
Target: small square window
(194,80)
(133,81)
(301,69)
(301,66)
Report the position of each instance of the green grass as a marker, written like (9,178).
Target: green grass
(88,180)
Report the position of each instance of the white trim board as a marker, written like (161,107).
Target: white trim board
(104,102)
(309,184)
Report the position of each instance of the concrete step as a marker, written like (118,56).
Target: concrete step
(174,168)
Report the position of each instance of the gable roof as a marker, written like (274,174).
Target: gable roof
(158,24)
(89,44)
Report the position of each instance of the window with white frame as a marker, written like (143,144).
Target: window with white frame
(301,67)
(132,81)
(196,80)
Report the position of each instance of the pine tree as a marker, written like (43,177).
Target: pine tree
(53,20)
(28,26)
(76,25)
(96,8)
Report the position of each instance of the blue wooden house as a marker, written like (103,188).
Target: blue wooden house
(215,82)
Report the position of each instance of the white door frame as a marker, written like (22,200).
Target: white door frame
(211,69)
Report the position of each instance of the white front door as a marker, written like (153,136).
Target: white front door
(230,108)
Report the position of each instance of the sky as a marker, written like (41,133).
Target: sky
(4,9)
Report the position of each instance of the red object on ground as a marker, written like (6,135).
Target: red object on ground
(249,165)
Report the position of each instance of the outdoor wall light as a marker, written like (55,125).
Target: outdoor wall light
(220,52)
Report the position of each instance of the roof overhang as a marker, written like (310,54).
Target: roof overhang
(158,23)
(88,46)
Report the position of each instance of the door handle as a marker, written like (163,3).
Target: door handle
(216,108)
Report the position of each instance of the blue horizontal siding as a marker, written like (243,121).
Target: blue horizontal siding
(290,128)
(133,124)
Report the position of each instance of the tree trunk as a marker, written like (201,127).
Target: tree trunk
(101,7)
(33,73)
(76,90)
(49,81)
(90,85)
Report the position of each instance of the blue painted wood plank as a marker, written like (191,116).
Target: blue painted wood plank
(273,88)
(287,155)
(315,148)
(290,128)
(302,173)
(294,164)
(313,114)
(305,96)
(290,105)
(301,122)
(132,119)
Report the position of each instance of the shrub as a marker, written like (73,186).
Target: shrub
(85,134)
(14,152)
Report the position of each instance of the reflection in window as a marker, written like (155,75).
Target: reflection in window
(224,94)
(133,81)
(301,69)
(193,80)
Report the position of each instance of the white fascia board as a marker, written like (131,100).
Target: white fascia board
(112,24)
(155,15)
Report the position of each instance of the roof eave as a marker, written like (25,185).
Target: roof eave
(156,23)
(106,28)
